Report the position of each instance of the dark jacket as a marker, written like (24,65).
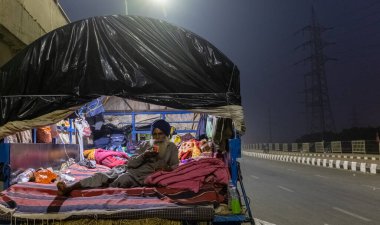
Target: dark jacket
(141,167)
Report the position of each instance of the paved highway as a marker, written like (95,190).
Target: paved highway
(286,193)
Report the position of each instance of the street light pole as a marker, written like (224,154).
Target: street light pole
(164,11)
(126,7)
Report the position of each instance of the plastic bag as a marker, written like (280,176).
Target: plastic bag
(66,178)
(24,176)
(44,176)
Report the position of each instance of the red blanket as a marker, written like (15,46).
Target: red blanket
(110,158)
(191,176)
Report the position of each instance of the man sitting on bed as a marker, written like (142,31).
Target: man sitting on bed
(162,156)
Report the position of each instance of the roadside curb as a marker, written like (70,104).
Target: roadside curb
(363,167)
(331,155)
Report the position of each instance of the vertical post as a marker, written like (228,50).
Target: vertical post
(133,126)
(163,116)
(34,135)
(71,131)
(5,160)
(235,152)
(126,7)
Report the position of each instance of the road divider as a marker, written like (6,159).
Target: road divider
(363,167)
(345,165)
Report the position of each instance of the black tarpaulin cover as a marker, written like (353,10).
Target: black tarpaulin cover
(134,57)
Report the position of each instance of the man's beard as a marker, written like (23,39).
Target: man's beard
(162,146)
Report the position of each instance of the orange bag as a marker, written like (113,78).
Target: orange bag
(45,176)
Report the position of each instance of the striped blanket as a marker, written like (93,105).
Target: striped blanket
(40,201)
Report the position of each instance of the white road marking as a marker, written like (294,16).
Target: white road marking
(317,175)
(291,170)
(262,222)
(372,187)
(352,214)
(284,188)
(254,177)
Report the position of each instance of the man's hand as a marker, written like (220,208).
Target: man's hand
(149,153)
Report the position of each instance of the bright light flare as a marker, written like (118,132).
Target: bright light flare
(160,2)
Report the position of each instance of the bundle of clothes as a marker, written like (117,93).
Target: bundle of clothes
(193,149)
(105,157)
(43,175)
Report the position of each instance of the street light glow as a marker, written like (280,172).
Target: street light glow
(160,2)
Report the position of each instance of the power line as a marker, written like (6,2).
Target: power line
(371,5)
(356,57)
(361,27)
(361,35)
(361,48)
(358,19)
(358,25)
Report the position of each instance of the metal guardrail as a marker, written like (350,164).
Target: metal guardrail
(336,147)
(344,147)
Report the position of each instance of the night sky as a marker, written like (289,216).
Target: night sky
(259,36)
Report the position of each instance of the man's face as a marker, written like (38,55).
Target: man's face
(158,135)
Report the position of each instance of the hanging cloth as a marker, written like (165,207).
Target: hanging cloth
(209,126)
(201,130)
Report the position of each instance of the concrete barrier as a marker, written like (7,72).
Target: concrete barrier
(337,164)
(353,166)
(330,163)
(373,168)
(345,165)
(324,162)
(362,167)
